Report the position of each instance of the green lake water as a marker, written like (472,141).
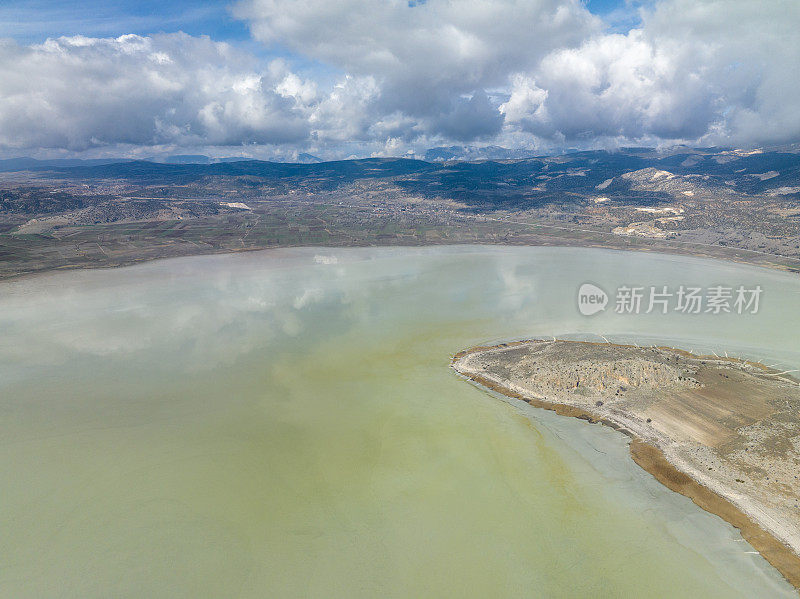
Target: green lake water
(286,424)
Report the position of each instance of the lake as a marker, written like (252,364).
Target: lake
(285,423)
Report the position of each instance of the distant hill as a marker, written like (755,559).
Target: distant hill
(535,181)
(471,153)
(305,158)
(194,159)
(333,172)
(25,164)
(637,175)
(185,159)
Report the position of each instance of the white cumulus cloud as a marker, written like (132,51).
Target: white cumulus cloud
(392,75)
(80,92)
(716,71)
(430,61)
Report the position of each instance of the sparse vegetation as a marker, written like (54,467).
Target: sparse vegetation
(115,214)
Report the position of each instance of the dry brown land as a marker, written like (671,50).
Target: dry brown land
(724,432)
(64,245)
(117,215)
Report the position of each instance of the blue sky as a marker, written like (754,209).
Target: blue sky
(32,21)
(620,15)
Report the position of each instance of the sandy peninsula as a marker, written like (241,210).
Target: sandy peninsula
(722,431)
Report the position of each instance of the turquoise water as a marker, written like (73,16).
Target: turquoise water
(286,424)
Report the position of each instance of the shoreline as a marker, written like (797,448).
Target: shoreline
(754,258)
(654,460)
